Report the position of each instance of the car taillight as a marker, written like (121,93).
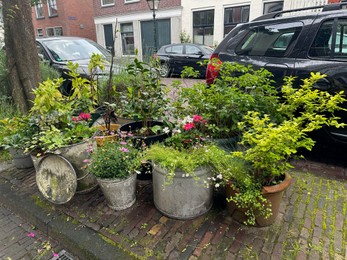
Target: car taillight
(213,67)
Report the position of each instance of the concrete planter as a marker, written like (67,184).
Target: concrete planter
(185,198)
(119,193)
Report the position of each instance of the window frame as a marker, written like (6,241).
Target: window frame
(106,5)
(39,5)
(203,27)
(234,24)
(52,5)
(39,34)
(271,2)
(130,1)
(125,33)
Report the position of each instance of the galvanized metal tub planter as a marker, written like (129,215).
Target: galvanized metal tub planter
(186,197)
(20,159)
(55,171)
(119,193)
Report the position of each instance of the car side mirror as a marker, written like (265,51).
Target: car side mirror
(200,53)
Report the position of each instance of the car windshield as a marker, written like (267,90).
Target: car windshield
(74,49)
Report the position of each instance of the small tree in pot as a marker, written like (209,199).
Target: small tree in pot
(268,147)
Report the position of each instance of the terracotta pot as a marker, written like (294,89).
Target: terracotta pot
(272,193)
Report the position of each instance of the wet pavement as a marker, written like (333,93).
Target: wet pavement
(312,223)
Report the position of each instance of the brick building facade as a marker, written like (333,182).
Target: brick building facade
(64,17)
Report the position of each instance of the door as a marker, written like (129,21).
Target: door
(162,36)
(108,33)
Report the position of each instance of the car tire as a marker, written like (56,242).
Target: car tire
(164,70)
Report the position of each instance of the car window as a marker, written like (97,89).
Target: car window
(175,49)
(191,49)
(74,49)
(338,41)
(272,40)
(321,46)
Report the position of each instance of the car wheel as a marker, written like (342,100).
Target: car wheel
(164,70)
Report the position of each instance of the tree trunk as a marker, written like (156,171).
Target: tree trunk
(20,48)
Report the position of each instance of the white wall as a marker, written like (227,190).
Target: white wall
(136,18)
(256,10)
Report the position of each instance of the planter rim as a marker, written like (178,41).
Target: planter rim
(136,128)
(279,187)
(116,179)
(200,169)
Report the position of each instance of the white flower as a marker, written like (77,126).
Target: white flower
(166,130)
(219,176)
(217,185)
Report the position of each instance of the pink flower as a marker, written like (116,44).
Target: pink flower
(188,126)
(31,234)
(75,119)
(55,255)
(197,118)
(123,149)
(123,143)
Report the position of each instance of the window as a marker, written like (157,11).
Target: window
(54,31)
(39,32)
(107,2)
(127,34)
(328,44)
(190,49)
(203,27)
(39,10)
(52,7)
(273,7)
(272,40)
(175,49)
(235,15)
(58,31)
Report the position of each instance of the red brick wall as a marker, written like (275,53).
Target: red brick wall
(120,7)
(76,17)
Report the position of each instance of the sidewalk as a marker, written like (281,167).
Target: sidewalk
(312,223)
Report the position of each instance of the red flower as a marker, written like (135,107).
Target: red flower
(197,118)
(188,126)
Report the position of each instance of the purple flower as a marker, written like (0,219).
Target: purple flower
(123,143)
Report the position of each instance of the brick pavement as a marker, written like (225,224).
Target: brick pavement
(20,240)
(312,223)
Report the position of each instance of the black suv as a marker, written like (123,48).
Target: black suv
(293,46)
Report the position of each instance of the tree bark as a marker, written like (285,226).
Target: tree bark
(20,48)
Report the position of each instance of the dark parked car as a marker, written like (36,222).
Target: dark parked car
(58,51)
(174,57)
(293,46)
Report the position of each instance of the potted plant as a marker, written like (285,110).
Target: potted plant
(261,171)
(15,133)
(227,100)
(59,128)
(115,165)
(145,102)
(181,170)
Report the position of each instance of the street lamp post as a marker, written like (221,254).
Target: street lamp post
(153,6)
